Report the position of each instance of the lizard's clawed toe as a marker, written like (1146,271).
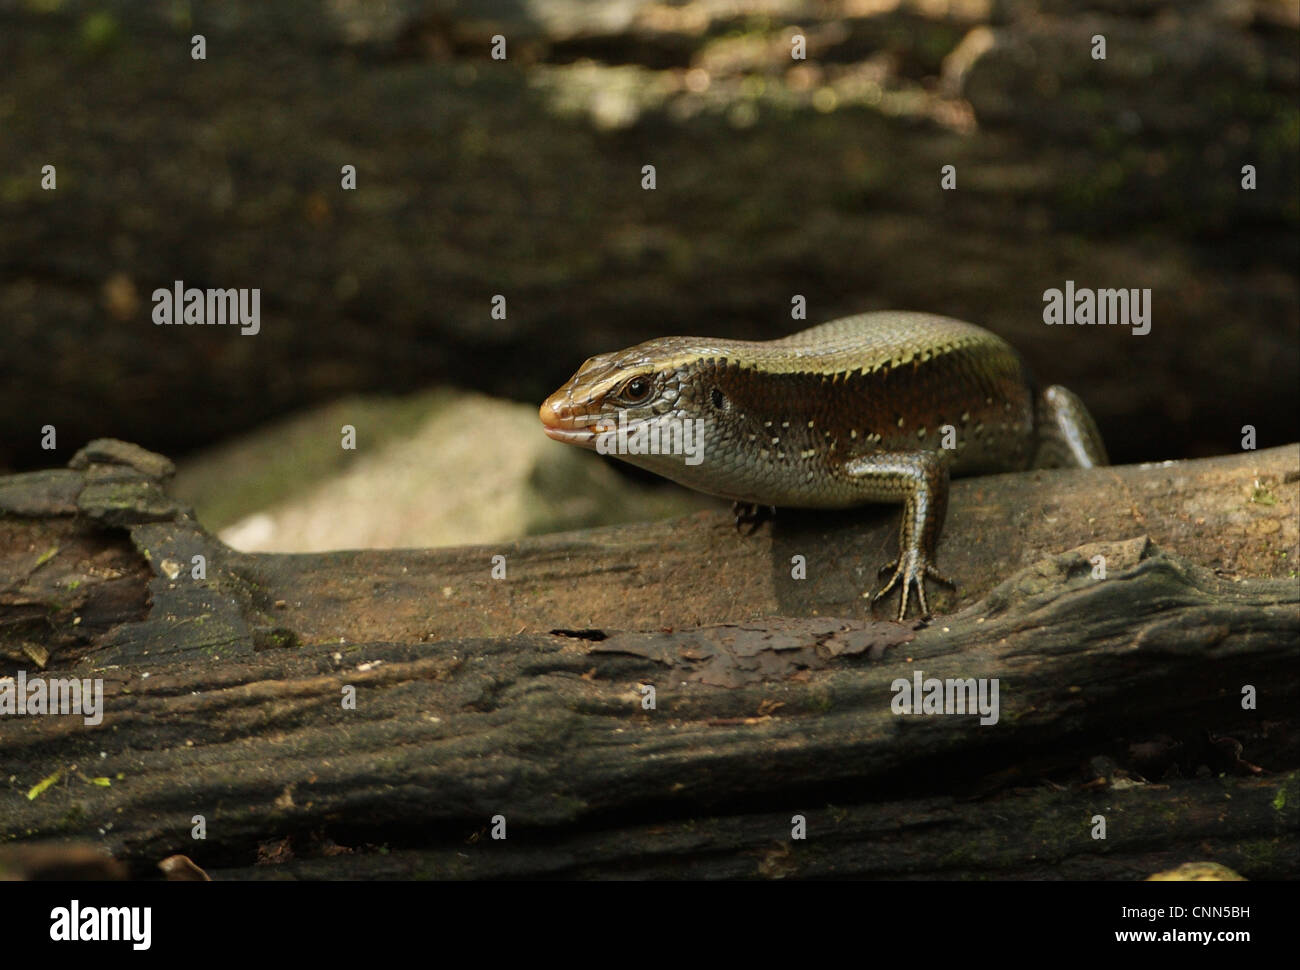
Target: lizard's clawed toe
(938,577)
(909,573)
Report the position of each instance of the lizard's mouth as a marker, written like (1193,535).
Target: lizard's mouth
(562,422)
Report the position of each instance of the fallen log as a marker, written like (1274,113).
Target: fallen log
(387,713)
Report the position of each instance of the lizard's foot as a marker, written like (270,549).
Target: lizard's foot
(913,570)
(747,513)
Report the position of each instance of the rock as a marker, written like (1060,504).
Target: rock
(438,469)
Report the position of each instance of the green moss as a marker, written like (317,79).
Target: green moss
(1282,136)
(1262,496)
(1258,855)
(181,15)
(99,32)
(821,703)
(277,638)
(19,188)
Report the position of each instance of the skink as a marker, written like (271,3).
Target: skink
(878,407)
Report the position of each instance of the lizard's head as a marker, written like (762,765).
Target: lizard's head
(627,388)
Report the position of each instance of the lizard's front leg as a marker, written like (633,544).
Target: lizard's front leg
(920,481)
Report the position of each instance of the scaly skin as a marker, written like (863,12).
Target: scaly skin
(839,415)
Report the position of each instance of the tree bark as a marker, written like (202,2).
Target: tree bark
(524,697)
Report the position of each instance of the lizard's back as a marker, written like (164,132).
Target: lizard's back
(875,382)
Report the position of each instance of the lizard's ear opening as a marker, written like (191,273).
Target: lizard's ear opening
(719,399)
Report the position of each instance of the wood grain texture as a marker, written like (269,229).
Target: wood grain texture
(468,707)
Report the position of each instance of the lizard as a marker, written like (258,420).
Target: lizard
(873,408)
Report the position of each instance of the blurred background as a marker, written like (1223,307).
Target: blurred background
(523,177)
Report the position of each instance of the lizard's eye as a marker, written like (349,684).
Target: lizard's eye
(636,391)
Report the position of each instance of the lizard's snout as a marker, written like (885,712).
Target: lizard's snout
(564,420)
(553,412)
